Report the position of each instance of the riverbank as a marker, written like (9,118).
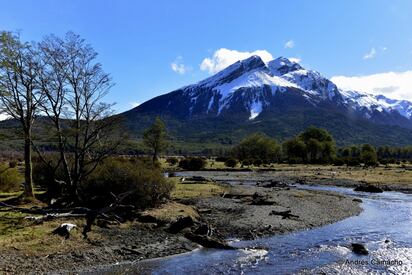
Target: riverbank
(239,212)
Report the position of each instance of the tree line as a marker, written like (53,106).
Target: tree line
(313,146)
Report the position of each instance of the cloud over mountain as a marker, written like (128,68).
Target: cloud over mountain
(223,57)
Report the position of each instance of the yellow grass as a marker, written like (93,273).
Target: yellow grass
(394,174)
(171,210)
(18,233)
(196,190)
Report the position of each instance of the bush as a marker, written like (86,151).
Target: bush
(384,161)
(246,162)
(10,178)
(12,164)
(339,162)
(193,164)
(257,146)
(48,178)
(172,160)
(352,161)
(257,162)
(231,162)
(221,159)
(145,182)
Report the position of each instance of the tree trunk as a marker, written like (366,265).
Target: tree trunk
(28,170)
(154,156)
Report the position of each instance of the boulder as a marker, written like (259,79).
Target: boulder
(272,183)
(357,200)
(368,188)
(180,224)
(359,249)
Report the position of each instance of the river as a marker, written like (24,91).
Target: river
(384,226)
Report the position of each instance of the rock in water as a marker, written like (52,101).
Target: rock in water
(359,249)
(272,183)
(64,230)
(368,188)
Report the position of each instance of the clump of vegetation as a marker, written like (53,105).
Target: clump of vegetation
(314,145)
(368,155)
(257,146)
(144,184)
(155,138)
(193,163)
(355,155)
(172,160)
(10,178)
(231,162)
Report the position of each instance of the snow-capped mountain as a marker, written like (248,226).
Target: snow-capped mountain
(252,91)
(376,103)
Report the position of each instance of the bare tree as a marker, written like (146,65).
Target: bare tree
(19,96)
(74,84)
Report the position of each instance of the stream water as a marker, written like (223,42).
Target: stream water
(384,226)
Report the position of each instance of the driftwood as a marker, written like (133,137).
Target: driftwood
(208,242)
(49,213)
(49,217)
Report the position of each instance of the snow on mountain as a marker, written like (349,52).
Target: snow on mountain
(252,73)
(365,101)
(251,79)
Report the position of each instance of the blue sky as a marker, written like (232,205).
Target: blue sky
(153,47)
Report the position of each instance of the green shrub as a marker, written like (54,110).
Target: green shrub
(10,178)
(172,160)
(383,161)
(47,177)
(246,162)
(12,164)
(193,164)
(352,161)
(339,162)
(257,162)
(146,184)
(221,159)
(257,146)
(231,162)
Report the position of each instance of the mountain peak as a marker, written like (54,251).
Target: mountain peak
(234,71)
(283,65)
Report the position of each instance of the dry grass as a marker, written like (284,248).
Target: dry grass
(394,174)
(196,190)
(170,211)
(18,233)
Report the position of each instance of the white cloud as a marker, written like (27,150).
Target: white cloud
(134,104)
(179,67)
(397,85)
(289,44)
(224,57)
(295,59)
(371,54)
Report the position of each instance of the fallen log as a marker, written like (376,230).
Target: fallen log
(49,217)
(208,242)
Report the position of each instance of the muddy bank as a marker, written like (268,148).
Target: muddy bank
(135,243)
(244,212)
(279,210)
